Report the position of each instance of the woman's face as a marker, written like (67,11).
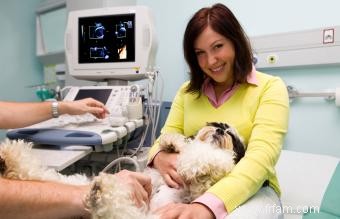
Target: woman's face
(215,55)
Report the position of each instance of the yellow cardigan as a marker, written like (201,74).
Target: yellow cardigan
(260,115)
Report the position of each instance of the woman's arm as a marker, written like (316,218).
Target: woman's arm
(166,162)
(174,121)
(268,129)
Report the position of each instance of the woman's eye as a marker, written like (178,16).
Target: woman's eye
(198,53)
(218,46)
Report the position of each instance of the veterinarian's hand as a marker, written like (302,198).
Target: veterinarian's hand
(88,105)
(165,163)
(140,184)
(184,211)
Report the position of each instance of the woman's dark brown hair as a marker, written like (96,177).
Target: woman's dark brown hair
(222,21)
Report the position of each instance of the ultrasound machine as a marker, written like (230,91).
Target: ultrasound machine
(116,45)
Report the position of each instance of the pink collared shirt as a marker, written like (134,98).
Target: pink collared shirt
(208,89)
(215,204)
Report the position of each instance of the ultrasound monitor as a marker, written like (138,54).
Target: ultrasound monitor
(106,44)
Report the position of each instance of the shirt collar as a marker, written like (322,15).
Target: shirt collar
(251,78)
(208,89)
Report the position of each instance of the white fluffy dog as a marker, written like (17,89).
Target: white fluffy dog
(202,161)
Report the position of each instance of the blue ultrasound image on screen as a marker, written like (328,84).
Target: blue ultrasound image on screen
(107,39)
(97,31)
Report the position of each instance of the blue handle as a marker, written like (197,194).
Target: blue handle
(59,137)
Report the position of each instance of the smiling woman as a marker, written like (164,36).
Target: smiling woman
(225,87)
(215,55)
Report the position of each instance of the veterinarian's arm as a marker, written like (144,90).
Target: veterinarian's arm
(33,199)
(16,115)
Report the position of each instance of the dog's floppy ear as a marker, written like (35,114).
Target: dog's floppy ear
(238,146)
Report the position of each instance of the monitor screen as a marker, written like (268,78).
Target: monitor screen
(109,38)
(101,95)
(110,44)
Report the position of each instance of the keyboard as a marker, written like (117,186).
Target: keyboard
(69,121)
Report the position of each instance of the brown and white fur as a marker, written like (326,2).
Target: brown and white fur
(202,161)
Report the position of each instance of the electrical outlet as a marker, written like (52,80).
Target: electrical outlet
(328,36)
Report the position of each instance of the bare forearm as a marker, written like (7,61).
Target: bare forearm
(16,115)
(32,199)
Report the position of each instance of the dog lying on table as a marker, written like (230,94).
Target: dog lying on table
(203,160)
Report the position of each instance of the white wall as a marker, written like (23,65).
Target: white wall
(19,67)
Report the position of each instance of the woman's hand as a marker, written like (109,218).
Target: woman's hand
(165,163)
(185,211)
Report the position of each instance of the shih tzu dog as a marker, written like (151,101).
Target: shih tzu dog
(202,161)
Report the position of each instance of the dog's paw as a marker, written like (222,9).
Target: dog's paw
(172,142)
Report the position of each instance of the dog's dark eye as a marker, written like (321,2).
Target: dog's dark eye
(219,131)
(217,140)
(225,126)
